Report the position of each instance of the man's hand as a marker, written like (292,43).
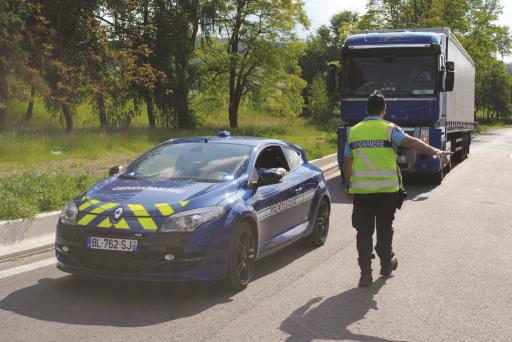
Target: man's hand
(443,157)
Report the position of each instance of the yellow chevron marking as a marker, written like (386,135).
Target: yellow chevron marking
(122,224)
(184,203)
(147,223)
(165,209)
(104,207)
(88,204)
(84,221)
(105,223)
(138,209)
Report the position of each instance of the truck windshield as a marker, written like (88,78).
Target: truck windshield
(391,74)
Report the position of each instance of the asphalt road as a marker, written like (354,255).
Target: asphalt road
(454,281)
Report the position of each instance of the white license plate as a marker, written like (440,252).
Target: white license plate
(110,244)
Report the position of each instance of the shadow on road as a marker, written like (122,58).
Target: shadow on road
(330,319)
(90,301)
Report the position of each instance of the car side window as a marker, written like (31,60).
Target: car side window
(294,158)
(272,157)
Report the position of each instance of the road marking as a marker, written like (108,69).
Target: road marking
(26,268)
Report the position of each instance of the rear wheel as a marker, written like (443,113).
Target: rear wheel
(241,260)
(321,225)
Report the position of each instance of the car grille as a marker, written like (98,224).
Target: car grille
(125,262)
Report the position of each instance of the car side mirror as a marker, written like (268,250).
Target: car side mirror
(269,177)
(115,170)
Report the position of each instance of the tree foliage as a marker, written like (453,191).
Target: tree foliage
(163,55)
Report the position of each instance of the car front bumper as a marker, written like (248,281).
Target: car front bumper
(147,263)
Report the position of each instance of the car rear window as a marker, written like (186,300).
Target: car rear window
(210,162)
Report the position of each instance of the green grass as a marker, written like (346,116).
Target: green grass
(484,125)
(44,145)
(24,195)
(42,166)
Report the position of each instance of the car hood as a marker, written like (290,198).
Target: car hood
(145,204)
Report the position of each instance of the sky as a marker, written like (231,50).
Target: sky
(320,11)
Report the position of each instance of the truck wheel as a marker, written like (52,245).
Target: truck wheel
(437,178)
(466,146)
(241,260)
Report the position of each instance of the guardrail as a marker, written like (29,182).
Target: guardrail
(23,236)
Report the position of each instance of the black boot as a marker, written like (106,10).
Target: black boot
(366,278)
(387,267)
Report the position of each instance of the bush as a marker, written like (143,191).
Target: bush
(318,106)
(23,196)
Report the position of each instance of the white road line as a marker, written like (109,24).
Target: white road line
(25,268)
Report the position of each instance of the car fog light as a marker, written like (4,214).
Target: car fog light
(169,257)
(65,249)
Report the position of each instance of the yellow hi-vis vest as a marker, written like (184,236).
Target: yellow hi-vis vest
(374,167)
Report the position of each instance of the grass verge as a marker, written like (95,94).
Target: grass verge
(24,195)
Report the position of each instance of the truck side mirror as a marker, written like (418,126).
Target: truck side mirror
(450,76)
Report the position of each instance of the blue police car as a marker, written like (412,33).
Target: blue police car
(201,208)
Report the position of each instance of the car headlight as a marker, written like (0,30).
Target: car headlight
(188,221)
(69,214)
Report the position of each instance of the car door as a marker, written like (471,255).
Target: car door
(276,203)
(303,203)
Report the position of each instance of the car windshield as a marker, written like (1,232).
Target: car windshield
(207,162)
(391,74)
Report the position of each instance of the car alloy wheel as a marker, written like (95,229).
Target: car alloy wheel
(241,258)
(321,225)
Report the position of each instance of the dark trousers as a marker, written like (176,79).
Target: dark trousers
(370,211)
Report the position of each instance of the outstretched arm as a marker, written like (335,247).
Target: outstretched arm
(419,146)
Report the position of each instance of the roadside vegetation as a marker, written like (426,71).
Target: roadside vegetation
(85,85)
(31,192)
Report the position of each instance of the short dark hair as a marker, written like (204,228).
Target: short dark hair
(376,103)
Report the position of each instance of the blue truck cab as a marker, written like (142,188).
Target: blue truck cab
(428,80)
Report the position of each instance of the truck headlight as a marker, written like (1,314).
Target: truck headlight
(69,214)
(188,221)
(425,134)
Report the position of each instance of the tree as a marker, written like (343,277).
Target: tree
(180,24)
(324,48)
(319,102)
(67,22)
(252,31)
(12,55)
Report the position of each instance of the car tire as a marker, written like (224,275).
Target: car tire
(320,230)
(241,258)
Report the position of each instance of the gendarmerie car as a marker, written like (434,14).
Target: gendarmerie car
(202,208)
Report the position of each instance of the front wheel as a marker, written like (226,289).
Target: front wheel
(321,225)
(241,260)
(437,178)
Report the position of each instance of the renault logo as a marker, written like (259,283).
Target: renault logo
(116,215)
